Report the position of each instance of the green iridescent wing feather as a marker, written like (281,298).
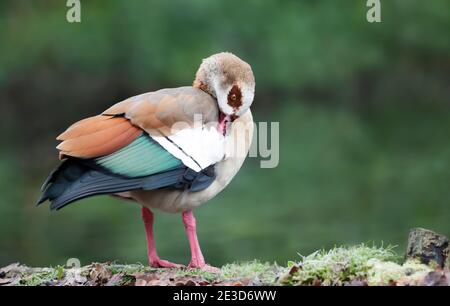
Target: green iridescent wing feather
(142,157)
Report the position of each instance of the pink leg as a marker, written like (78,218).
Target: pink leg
(153,257)
(197,260)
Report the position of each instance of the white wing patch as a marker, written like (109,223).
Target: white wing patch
(197,147)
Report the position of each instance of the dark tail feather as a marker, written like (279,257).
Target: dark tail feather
(60,179)
(95,182)
(74,180)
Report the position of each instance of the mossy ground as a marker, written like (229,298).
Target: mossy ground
(355,265)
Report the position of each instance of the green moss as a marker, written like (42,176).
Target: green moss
(337,266)
(128,269)
(42,277)
(265,273)
(195,272)
(383,273)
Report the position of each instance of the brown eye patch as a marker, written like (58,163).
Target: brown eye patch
(235,97)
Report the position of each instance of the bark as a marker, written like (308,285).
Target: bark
(429,247)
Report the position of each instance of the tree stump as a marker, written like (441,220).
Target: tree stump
(429,247)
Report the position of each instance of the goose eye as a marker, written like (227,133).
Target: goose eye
(234,97)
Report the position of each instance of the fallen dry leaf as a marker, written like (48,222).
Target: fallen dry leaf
(435,278)
(116,279)
(357,283)
(4,281)
(293,270)
(99,273)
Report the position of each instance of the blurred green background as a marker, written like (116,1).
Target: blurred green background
(364,116)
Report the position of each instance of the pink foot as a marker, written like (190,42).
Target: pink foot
(204,267)
(161,263)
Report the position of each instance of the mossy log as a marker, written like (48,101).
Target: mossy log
(429,247)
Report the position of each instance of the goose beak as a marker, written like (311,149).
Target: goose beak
(224,120)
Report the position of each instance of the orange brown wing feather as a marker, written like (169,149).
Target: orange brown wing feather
(97,136)
(157,112)
(154,113)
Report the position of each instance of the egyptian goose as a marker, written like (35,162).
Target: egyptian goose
(172,149)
